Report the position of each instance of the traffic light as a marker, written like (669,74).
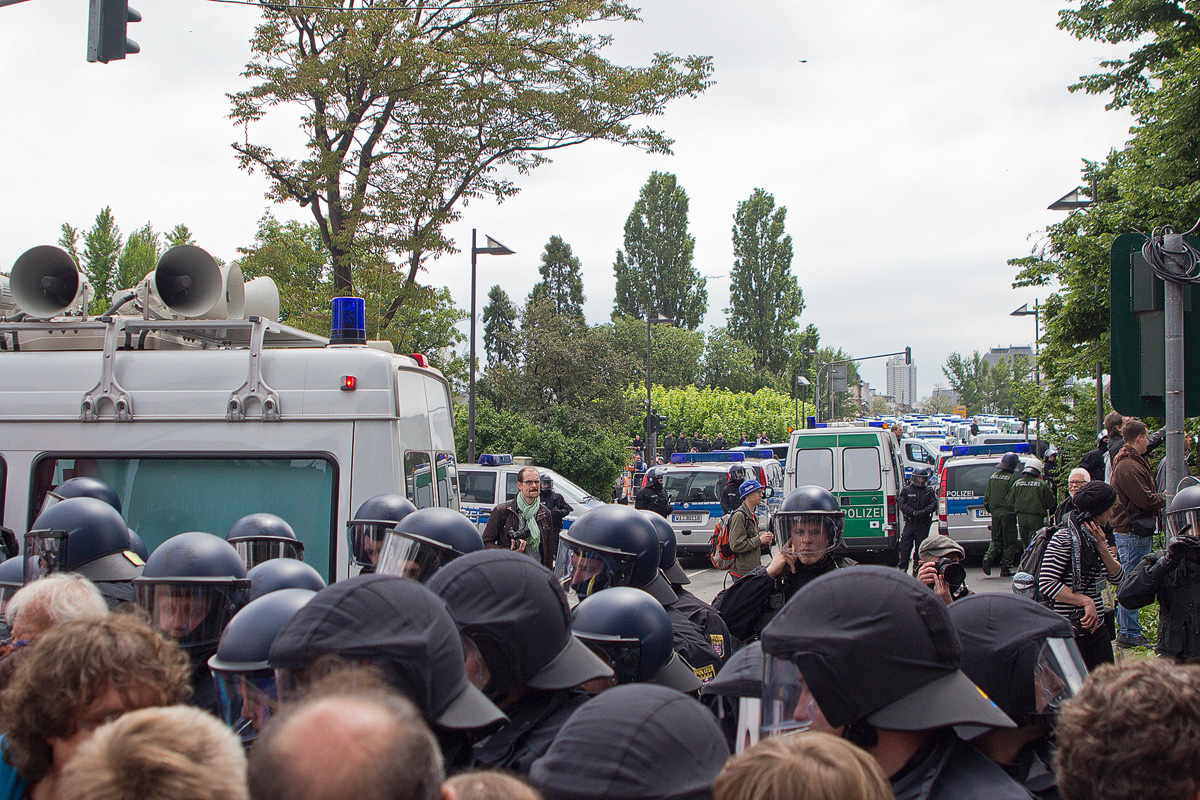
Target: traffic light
(660,422)
(908,355)
(106,30)
(654,422)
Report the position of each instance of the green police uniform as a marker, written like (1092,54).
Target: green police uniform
(1031,500)
(1004,523)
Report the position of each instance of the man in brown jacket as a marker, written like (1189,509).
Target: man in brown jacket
(524,524)
(1136,516)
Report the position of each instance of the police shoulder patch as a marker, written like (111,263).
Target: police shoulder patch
(705,673)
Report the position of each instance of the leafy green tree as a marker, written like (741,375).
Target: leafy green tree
(654,274)
(728,363)
(179,235)
(711,411)
(562,280)
(101,248)
(291,254)
(982,387)
(835,405)
(764,299)
(675,352)
(139,256)
(68,240)
(499,327)
(409,110)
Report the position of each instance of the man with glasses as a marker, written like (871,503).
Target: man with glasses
(1075,481)
(525,523)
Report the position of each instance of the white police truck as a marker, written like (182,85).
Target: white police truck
(197,407)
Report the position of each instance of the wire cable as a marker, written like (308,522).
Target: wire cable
(1171,257)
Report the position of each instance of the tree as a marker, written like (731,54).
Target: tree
(936,403)
(291,254)
(410,109)
(179,235)
(764,299)
(499,328)
(101,247)
(139,257)
(654,274)
(675,352)
(562,281)
(879,405)
(728,363)
(982,387)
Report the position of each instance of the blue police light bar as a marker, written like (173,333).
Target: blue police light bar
(495,459)
(717,456)
(348,324)
(987,449)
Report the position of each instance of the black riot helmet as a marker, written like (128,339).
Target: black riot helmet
(809,509)
(191,586)
(82,487)
(261,536)
(1009,462)
(667,561)
(1032,467)
(425,541)
(373,519)
(1021,654)
(920,475)
(611,545)
(737,474)
(631,632)
(12,578)
(137,545)
(282,573)
(82,535)
(246,690)
(1183,515)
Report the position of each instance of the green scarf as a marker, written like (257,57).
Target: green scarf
(529,512)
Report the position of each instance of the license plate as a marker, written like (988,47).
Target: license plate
(684,518)
(982,514)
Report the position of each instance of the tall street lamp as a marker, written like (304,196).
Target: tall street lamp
(804,382)
(651,435)
(1026,311)
(493,248)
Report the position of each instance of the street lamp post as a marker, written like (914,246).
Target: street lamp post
(651,435)
(804,382)
(1025,311)
(493,248)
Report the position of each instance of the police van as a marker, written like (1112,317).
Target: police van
(963,480)
(198,408)
(694,482)
(494,480)
(862,467)
(918,453)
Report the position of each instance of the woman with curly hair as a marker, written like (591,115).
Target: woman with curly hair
(76,677)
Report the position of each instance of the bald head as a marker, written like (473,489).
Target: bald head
(373,747)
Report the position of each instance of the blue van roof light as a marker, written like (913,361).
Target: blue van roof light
(495,459)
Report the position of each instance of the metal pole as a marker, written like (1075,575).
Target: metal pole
(651,436)
(471,391)
(1099,396)
(1173,324)
(817,394)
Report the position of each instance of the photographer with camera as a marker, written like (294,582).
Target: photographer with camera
(525,523)
(941,567)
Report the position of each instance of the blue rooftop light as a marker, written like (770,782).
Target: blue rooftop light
(495,459)
(348,325)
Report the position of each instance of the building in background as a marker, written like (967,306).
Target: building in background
(902,381)
(997,354)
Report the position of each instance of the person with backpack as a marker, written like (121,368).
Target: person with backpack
(744,539)
(1075,562)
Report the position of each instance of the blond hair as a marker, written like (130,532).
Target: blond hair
(804,766)
(491,785)
(170,753)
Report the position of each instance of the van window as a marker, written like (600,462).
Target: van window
(418,481)
(918,454)
(860,469)
(447,480)
(161,497)
(815,467)
(479,487)
(775,477)
(968,479)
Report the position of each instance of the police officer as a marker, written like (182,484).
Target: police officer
(1024,658)
(719,442)
(82,486)
(735,696)
(373,519)
(1172,576)
(514,614)
(917,502)
(191,586)
(1031,500)
(668,447)
(425,541)
(653,495)
(1003,547)
(261,536)
(282,573)
(808,527)
(560,509)
(870,654)
(731,496)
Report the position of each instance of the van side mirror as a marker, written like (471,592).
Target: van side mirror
(768,491)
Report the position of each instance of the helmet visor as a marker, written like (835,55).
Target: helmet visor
(246,700)
(50,500)
(45,553)
(190,612)
(787,704)
(586,571)
(410,557)
(806,536)
(366,540)
(623,656)
(1186,522)
(256,551)
(1058,675)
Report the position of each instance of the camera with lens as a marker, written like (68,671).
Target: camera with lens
(952,572)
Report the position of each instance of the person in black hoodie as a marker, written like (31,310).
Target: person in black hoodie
(918,503)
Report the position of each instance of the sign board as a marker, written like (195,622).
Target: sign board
(1137,341)
(960,411)
(837,377)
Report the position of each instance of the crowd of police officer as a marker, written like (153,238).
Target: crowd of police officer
(500,650)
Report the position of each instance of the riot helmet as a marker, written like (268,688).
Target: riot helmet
(632,633)
(425,541)
(137,545)
(654,475)
(373,519)
(261,536)
(611,545)
(1009,462)
(82,487)
(245,682)
(191,586)
(12,578)
(547,482)
(1021,654)
(736,474)
(809,523)
(921,475)
(83,535)
(1032,467)
(667,561)
(1183,515)
(282,573)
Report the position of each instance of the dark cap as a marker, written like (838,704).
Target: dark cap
(742,675)
(1095,497)
(401,628)
(518,616)
(874,643)
(637,741)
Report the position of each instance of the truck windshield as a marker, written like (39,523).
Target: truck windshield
(161,497)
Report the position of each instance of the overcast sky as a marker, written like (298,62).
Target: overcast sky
(915,144)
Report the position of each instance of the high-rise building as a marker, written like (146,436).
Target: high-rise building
(902,381)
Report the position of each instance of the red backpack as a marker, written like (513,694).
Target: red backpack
(719,552)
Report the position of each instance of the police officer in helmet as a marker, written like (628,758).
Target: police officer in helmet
(918,504)
(731,496)
(808,527)
(653,495)
(1004,547)
(261,536)
(373,519)
(282,573)
(425,541)
(82,486)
